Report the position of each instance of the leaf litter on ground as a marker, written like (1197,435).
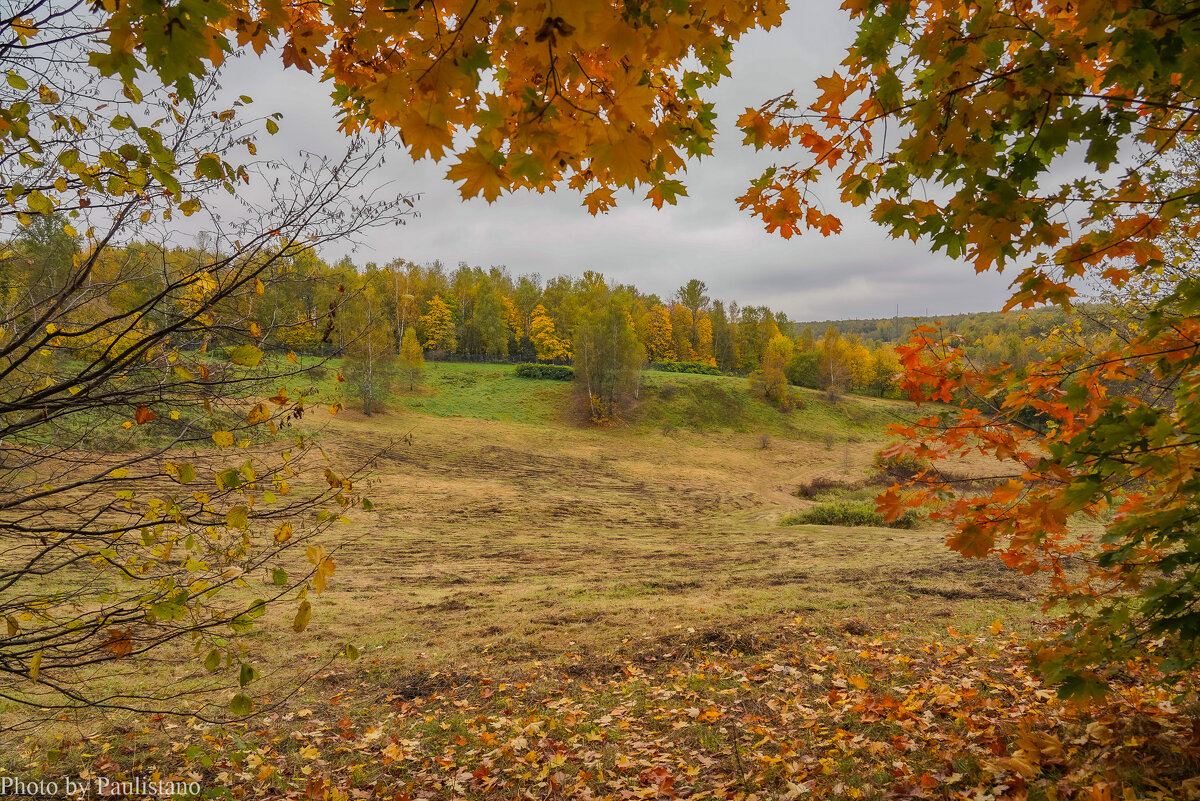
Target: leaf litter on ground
(814,714)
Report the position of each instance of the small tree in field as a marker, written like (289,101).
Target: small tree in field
(412,356)
(370,351)
(608,358)
(769,382)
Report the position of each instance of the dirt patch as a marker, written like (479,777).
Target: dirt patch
(419,683)
(567,620)
(672,585)
(950,577)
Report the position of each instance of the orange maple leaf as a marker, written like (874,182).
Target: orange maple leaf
(479,176)
(119,642)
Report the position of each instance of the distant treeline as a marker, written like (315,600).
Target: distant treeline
(313,307)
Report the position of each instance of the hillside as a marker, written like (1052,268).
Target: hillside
(666,402)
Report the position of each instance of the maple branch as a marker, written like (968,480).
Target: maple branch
(457,33)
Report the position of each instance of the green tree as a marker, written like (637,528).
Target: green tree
(691,297)
(885,367)
(724,337)
(487,327)
(804,369)
(836,373)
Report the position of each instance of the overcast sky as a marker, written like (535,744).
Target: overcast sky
(859,273)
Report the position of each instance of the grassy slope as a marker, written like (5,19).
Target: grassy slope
(667,402)
(501,527)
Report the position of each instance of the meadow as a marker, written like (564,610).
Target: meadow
(546,609)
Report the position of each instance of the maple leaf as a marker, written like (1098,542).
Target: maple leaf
(666,192)
(119,642)
(599,200)
(425,138)
(478,176)
(971,540)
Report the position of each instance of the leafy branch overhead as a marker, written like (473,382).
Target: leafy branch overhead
(1056,139)
(596,94)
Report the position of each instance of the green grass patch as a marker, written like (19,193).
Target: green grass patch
(486,392)
(697,368)
(666,402)
(848,513)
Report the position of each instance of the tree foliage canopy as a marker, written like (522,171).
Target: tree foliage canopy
(148,449)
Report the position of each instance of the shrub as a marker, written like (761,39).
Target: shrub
(848,513)
(803,369)
(695,368)
(554,372)
(901,465)
(823,484)
(842,489)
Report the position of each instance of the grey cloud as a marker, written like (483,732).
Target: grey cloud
(860,273)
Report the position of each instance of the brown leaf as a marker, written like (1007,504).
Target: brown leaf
(119,642)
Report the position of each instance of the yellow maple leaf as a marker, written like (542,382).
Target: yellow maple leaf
(424,137)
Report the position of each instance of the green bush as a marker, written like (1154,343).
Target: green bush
(848,513)
(554,372)
(803,369)
(695,368)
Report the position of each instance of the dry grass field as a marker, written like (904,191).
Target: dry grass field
(530,542)
(503,530)
(545,610)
